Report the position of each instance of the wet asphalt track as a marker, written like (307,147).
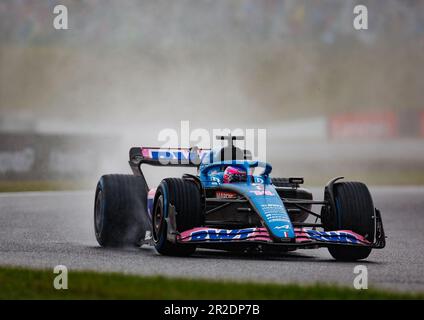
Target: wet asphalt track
(47,229)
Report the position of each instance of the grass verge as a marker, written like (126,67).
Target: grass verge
(19,283)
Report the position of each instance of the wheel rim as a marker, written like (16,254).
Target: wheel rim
(98,213)
(158,219)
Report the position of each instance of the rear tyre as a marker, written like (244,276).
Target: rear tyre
(120,203)
(354,210)
(185,196)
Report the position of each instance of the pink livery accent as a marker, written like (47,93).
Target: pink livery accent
(338,236)
(212,234)
(146,152)
(151,193)
(261,235)
(173,153)
(150,200)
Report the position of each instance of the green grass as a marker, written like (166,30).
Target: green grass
(17,283)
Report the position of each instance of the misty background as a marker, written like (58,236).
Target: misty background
(334,100)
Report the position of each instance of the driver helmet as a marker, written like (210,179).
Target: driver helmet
(234,174)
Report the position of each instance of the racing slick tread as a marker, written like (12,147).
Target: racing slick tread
(184,195)
(354,211)
(124,199)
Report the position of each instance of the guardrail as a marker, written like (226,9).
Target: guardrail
(25,156)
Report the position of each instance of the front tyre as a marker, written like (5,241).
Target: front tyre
(185,196)
(120,203)
(354,210)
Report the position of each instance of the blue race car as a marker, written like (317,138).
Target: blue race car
(227,206)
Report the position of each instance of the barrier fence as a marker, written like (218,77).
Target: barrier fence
(30,157)
(377,125)
(25,156)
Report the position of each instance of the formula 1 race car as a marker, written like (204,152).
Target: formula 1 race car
(227,206)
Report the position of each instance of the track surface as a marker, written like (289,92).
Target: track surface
(47,229)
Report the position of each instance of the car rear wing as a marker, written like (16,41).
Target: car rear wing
(156,156)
